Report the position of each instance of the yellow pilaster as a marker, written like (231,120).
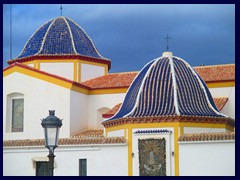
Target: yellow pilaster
(176,151)
(129,151)
(79,72)
(75,72)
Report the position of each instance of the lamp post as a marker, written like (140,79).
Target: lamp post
(51,125)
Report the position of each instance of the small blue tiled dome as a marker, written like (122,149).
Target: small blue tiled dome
(60,36)
(167,86)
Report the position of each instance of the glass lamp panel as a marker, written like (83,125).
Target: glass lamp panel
(57,134)
(51,136)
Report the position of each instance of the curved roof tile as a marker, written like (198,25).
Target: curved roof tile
(217,136)
(167,86)
(60,36)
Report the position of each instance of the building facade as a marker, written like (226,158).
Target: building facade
(110,120)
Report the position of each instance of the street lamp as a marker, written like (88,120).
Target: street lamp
(51,125)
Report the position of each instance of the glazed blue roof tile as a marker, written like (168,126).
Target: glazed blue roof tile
(132,93)
(167,86)
(34,43)
(60,36)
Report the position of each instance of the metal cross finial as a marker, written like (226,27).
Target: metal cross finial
(167,38)
(61,9)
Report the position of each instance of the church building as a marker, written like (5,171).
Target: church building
(167,119)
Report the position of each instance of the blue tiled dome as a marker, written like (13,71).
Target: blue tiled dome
(167,86)
(60,36)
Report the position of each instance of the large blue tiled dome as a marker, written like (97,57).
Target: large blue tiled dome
(167,86)
(60,36)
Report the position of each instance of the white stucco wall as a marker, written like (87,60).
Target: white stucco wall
(90,71)
(169,137)
(117,133)
(207,159)
(97,102)
(61,69)
(189,130)
(31,65)
(78,112)
(229,92)
(39,97)
(103,160)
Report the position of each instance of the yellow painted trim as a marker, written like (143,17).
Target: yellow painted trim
(30,62)
(181,130)
(79,89)
(176,152)
(47,78)
(79,71)
(220,84)
(35,65)
(75,71)
(108,91)
(106,69)
(9,71)
(39,65)
(92,63)
(125,133)
(229,128)
(106,132)
(130,151)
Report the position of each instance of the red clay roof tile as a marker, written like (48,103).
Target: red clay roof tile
(121,80)
(67,141)
(220,102)
(89,133)
(118,80)
(217,136)
(217,73)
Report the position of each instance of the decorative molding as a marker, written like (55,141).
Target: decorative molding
(166,119)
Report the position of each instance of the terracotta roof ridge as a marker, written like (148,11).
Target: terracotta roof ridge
(212,66)
(88,133)
(127,72)
(62,56)
(66,141)
(212,136)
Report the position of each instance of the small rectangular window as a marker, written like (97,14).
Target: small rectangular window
(42,168)
(82,167)
(17,115)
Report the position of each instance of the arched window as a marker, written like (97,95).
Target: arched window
(15,112)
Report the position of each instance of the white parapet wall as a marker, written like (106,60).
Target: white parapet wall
(229,92)
(91,71)
(102,160)
(61,69)
(207,158)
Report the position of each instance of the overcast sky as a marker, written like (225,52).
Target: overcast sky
(132,35)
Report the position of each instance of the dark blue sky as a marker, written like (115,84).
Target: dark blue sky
(132,35)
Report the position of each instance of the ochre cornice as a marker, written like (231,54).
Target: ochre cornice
(167,119)
(62,57)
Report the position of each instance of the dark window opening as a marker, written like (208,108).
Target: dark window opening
(42,168)
(17,115)
(82,167)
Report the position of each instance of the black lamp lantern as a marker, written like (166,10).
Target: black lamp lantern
(51,125)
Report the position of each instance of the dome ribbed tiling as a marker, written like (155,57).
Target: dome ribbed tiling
(167,86)
(60,36)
